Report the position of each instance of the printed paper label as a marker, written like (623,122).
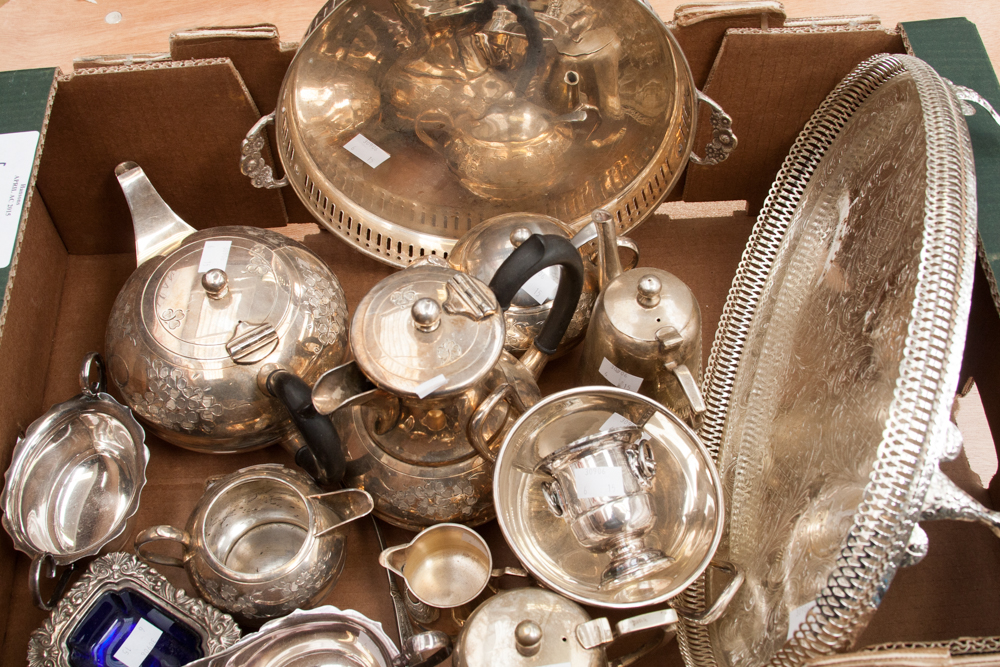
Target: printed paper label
(362,148)
(618,377)
(138,644)
(541,287)
(435,383)
(214,255)
(797,617)
(17,154)
(615,421)
(599,482)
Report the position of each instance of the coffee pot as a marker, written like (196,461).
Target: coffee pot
(423,407)
(482,250)
(644,334)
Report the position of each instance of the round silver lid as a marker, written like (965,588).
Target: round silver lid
(75,478)
(481,251)
(523,627)
(428,330)
(641,302)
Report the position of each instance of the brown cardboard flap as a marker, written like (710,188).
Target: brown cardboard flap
(256,51)
(182,122)
(771,82)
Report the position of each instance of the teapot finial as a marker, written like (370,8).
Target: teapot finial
(158,230)
(610,263)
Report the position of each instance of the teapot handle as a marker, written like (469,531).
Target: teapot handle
(540,252)
(323,455)
(694,398)
(46,563)
(431,116)
(162,534)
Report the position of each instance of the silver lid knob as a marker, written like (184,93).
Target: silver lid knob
(519,236)
(649,291)
(216,283)
(528,636)
(426,314)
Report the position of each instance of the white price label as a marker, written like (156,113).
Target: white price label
(541,287)
(17,155)
(615,421)
(424,390)
(599,482)
(215,255)
(618,377)
(139,643)
(797,617)
(365,150)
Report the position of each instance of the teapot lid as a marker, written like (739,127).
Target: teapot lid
(525,626)
(226,294)
(646,303)
(482,250)
(427,330)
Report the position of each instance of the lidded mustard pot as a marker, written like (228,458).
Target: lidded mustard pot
(431,393)
(644,334)
(482,250)
(199,329)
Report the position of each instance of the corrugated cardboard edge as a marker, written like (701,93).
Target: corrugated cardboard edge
(28,195)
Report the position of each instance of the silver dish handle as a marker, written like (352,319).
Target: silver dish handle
(252,163)
(723,140)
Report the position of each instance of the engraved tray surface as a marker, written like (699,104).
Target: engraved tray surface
(833,371)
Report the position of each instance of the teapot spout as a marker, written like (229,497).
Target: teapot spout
(158,230)
(610,263)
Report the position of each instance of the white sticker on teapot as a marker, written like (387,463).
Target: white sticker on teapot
(425,389)
(541,287)
(365,150)
(139,644)
(599,482)
(618,377)
(215,255)
(797,617)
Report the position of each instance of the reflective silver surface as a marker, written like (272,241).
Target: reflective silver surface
(466,125)
(118,571)
(262,541)
(685,495)
(74,481)
(195,323)
(599,485)
(325,636)
(832,376)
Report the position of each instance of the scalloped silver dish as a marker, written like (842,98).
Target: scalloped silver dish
(833,372)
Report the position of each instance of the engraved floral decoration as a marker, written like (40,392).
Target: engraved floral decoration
(258,264)
(324,300)
(171,318)
(403,297)
(437,501)
(173,400)
(449,350)
(116,571)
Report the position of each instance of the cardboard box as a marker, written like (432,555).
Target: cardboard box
(182,118)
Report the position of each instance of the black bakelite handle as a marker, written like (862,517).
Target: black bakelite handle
(540,252)
(323,455)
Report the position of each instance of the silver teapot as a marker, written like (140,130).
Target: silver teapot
(644,334)
(482,250)
(198,328)
(423,408)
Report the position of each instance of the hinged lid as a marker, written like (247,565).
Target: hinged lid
(522,627)
(642,302)
(427,330)
(481,251)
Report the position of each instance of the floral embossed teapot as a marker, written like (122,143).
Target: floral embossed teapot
(208,312)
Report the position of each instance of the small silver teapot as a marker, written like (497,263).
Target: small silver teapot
(423,408)
(200,324)
(482,250)
(644,334)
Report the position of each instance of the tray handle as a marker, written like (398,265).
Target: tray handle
(252,163)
